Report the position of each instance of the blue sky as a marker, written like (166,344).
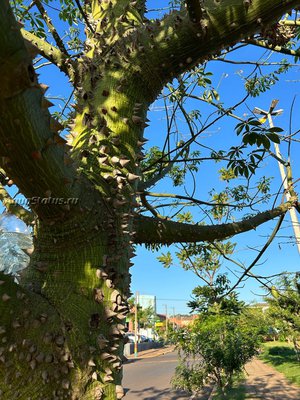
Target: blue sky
(173,287)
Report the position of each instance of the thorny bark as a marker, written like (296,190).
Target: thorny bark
(155,231)
(61,328)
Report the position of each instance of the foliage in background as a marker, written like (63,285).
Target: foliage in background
(284,302)
(218,344)
(145,316)
(212,299)
(259,320)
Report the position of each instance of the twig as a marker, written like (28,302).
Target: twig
(13,208)
(84,16)
(257,258)
(149,207)
(51,27)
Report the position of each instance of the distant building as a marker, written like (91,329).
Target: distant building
(262,306)
(181,321)
(146,301)
(160,317)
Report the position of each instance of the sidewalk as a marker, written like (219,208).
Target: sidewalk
(152,353)
(264,382)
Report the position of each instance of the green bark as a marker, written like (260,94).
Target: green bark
(155,231)
(64,336)
(32,152)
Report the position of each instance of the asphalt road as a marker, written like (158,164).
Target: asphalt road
(149,379)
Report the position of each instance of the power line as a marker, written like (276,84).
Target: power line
(173,299)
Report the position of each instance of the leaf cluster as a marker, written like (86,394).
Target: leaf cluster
(65,10)
(260,84)
(284,302)
(213,300)
(254,133)
(145,316)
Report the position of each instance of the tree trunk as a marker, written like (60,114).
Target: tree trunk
(61,333)
(62,330)
(67,342)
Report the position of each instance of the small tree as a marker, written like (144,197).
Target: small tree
(284,301)
(146,317)
(219,343)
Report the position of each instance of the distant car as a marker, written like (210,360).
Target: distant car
(151,340)
(130,337)
(140,338)
(143,338)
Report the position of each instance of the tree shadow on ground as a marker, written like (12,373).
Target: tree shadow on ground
(279,354)
(269,387)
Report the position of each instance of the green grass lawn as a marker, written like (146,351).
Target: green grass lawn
(237,392)
(282,357)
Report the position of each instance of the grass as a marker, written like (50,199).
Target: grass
(236,392)
(282,357)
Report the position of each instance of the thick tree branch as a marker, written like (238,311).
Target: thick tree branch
(33,152)
(181,44)
(112,15)
(195,10)
(141,7)
(269,46)
(13,208)
(152,231)
(36,45)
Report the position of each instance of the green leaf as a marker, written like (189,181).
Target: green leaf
(166,259)
(239,128)
(273,137)
(275,129)
(265,142)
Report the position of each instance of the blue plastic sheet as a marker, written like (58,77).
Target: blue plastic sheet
(15,237)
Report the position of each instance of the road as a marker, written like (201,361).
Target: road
(149,379)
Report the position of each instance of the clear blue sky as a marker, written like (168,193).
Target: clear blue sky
(173,287)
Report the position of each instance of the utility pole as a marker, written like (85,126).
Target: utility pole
(268,115)
(166,311)
(136,302)
(173,308)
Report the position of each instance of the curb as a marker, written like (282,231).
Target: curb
(158,353)
(150,354)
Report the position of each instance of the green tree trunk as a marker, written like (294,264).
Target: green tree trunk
(64,337)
